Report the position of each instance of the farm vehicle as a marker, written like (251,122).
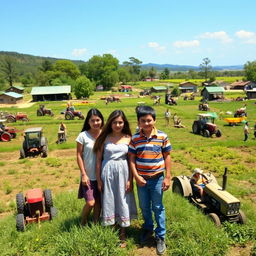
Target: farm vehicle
(232,121)
(11,118)
(205,126)
(218,204)
(34,143)
(7,133)
(170,100)
(42,111)
(71,114)
(36,206)
(203,107)
(189,96)
(241,112)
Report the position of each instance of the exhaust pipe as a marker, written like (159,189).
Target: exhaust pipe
(224,181)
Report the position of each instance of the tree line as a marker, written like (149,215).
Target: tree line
(104,70)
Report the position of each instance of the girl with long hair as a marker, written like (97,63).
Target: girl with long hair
(114,178)
(86,160)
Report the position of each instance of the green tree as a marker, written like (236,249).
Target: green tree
(134,67)
(206,68)
(8,69)
(250,71)
(165,74)
(83,87)
(67,67)
(124,75)
(27,79)
(152,73)
(143,74)
(46,66)
(175,91)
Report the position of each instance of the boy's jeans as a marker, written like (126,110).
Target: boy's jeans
(151,199)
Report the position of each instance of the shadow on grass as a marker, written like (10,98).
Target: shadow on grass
(67,224)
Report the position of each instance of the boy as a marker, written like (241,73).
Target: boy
(149,155)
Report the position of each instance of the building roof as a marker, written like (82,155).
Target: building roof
(186,87)
(187,82)
(214,89)
(240,83)
(18,87)
(34,129)
(13,95)
(51,90)
(159,88)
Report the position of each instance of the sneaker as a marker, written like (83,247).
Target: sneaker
(146,236)
(160,246)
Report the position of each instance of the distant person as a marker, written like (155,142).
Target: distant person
(167,116)
(246,131)
(62,133)
(86,160)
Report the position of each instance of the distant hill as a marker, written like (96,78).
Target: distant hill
(29,63)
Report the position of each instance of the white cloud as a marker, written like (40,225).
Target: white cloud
(185,44)
(245,34)
(156,46)
(79,52)
(219,35)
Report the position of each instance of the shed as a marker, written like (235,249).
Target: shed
(187,87)
(212,93)
(10,98)
(251,94)
(158,89)
(51,93)
(15,88)
(243,85)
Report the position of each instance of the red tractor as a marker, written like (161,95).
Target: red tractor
(37,206)
(71,114)
(11,118)
(42,111)
(205,126)
(7,133)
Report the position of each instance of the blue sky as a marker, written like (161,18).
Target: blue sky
(154,31)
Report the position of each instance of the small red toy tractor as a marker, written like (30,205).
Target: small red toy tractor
(42,111)
(37,206)
(11,118)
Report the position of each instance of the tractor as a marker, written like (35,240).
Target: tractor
(241,112)
(203,107)
(170,100)
(7,133)
(218,204)
(34,143)
(36,206)
(42,111)
(11,118)
(205,126)
(71,114)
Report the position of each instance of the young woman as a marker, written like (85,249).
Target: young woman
(86,160)
(114,178)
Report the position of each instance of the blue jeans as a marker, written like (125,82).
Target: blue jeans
(151,199)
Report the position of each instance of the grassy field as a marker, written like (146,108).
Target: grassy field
(189,231)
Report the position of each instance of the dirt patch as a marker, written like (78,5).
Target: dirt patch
(241,251)
(26,104)
(145,251)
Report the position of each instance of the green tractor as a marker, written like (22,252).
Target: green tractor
(218,204)
(34,143)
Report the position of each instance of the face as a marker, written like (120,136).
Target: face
(117,124)
(95,122)
(146,122)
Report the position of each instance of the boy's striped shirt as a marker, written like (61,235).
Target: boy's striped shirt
(149,151)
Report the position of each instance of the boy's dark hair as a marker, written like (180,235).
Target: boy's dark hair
(144,111)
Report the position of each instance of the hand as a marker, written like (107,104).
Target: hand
(166,184)
(100,185)
(141,181)
(129,186)
(85,180)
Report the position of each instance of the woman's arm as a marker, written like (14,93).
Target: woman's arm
(80,163)
(99,155)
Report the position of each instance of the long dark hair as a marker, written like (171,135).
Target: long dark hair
(92,112)
(107,129)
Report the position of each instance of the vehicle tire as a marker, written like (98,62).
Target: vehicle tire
(206,133)
(6,136)
(24,119)
(14,135)
(195,129)
(218,133)
(81,117)
(53,212)
(44,151)
(39,112)
(69,116)
(177,188)
(235,115)
(20,222)
(51,113)
(215,218)
(242,218)
(20,203)
(10,119)
(22,153)
(48,199)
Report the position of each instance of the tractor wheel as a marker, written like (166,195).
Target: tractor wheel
(20,222)
(48,199)
(14,135)
(81,117)
(10,119)
(44,151)
(69,116)
(20,203)
(242,217)
(206,133)
(24,119)
(53,212)
(39,112)
(195,129)
(6,136)
(22,153)
(177,187)
(51,114)
(218,133)
(215,218)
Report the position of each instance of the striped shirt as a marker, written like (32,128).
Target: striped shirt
(149,151)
